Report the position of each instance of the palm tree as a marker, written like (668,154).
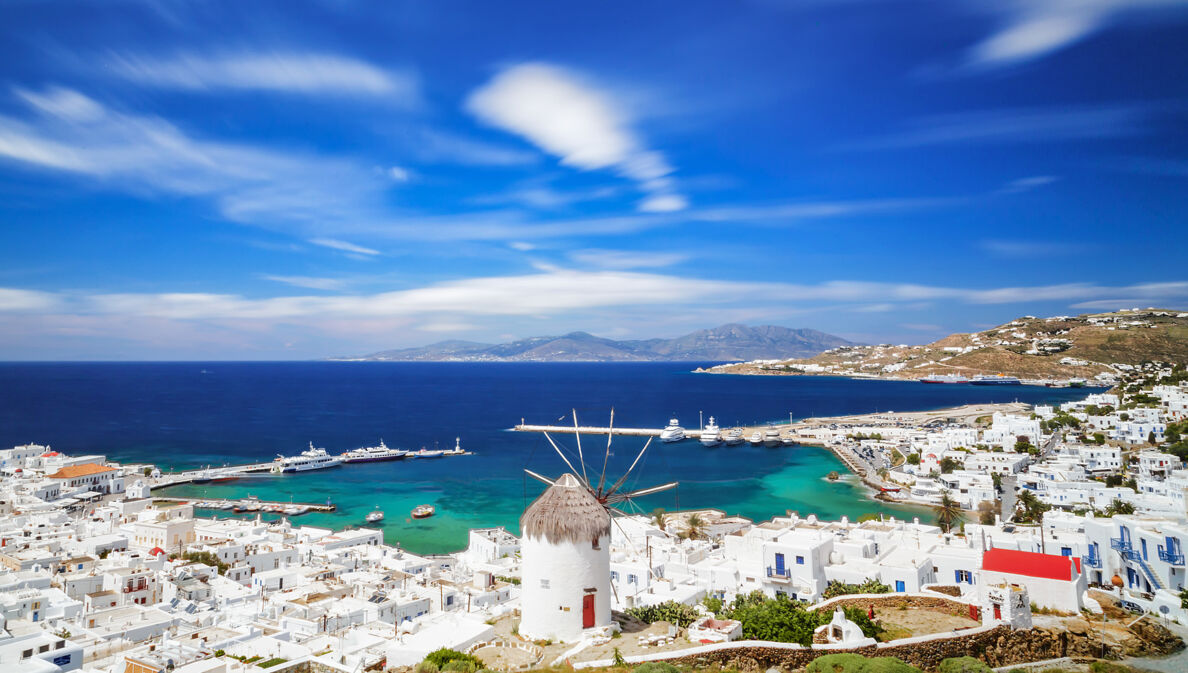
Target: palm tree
(948,513)
(694,526)
(659,518)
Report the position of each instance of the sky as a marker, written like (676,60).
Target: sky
(293,180)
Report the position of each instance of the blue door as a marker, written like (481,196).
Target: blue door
(779,564)
(1144,543)
(899,586)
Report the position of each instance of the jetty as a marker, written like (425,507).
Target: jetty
(251,505)
(592,430)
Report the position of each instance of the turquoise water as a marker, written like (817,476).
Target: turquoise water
(186,415)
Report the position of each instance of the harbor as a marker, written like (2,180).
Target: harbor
(251,505)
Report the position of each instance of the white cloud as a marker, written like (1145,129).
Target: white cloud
(440,146)
(522,246)
(1027,184)
(558,112)
(1022,249)
(304,73)
(344,246)
(1031,29)
(663,203)
(311,282)
(399,174)
(26,300)
(626,259)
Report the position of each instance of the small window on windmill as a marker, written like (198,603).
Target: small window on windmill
(594,544)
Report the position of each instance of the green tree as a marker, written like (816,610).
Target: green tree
(1119,507)
(913,459)
(694,526)
(782,620)
(659,518)
(986,512)
(947,465)
(948,513)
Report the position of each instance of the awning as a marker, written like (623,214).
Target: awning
(86,495)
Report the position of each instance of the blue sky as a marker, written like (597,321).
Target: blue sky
(292,180)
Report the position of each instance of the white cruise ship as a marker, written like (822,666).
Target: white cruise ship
(310,459)
(673,433)
(373,454)
(710,434)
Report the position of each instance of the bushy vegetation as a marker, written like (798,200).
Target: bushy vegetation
(963,665)
(783,620)
(1175,440)
(203,557)
(870,586)
(656,667)
(669,611)
(271,662)
(856,663)
(441,659)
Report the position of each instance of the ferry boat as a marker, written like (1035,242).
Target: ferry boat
(944,378)
(373,454)
(310,459)
(423,511)
(710,434)
(995,380)
(771,437)
(733,437)
(673,432)
(374,516)
(457,450)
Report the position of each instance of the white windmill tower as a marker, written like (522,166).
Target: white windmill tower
(565,549)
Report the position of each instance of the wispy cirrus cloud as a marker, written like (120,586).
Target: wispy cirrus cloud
(344,246)
(1031,29)
(283,72)
(309,282)
(1027,184)
(562,114)
(1025,249)
(626,259)
(1018,125)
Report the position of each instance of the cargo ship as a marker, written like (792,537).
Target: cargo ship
(944,378)
(995,380)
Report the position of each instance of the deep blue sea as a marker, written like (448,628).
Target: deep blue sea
(186,415)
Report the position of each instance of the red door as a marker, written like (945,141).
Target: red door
(588,611)
(997,611)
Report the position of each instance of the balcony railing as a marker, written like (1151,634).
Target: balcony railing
(1092,560)
(1171,557)
(1124,547)
(778,573)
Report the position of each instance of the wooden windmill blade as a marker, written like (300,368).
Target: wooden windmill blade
(629,495)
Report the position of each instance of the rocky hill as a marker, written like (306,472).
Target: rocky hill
(726,343)
(1056,348)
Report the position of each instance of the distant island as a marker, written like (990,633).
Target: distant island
(1093,346)
(728,343)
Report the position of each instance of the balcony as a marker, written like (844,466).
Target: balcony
(1092,561)
(779,574)
(1124,547)
(1171,557)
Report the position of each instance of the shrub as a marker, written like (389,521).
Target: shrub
(1109,667)
(656,667)
(459,666)
(440,658)
(425,667)
(669,611)
(963,665)
(618,660)
(870,586)
(782,620)
(856,663)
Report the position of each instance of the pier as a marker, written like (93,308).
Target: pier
(591,430)
(252,505)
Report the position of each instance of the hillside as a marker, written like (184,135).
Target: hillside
(1056,348)
(726,343)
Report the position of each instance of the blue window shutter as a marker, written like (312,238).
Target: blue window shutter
(956,575)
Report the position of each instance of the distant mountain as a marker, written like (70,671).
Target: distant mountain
(726,343)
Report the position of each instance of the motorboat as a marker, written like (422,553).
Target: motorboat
(673,432)
(771,437)
(733,437)
(756,438)
(374,516)
(788,440)
(710,434)
(423,511)
(373,454)
(310,459)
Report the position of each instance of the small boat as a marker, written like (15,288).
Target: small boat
(733,437)
(756,438)
(787,440)
(673,432)
(374,516)
(457,450)
(426,453)
(423,511)
(710,434)
(771,437)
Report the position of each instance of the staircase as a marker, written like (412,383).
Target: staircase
(1151,576)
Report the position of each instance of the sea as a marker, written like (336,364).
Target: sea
(185,415)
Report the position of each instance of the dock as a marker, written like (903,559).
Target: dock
(591,430)
(261,506)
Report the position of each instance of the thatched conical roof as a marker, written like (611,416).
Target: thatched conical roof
(566,512)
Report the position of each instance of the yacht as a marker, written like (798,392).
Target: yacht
(457,450)
(426,453)
(423,511)
(710,434)
(373,454)
(771,437)
(788,440)
(673,433)
(756,438)
(733,437)
(310,459)
(374,516)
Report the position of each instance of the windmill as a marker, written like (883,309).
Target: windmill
(610,496)
(565,548)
